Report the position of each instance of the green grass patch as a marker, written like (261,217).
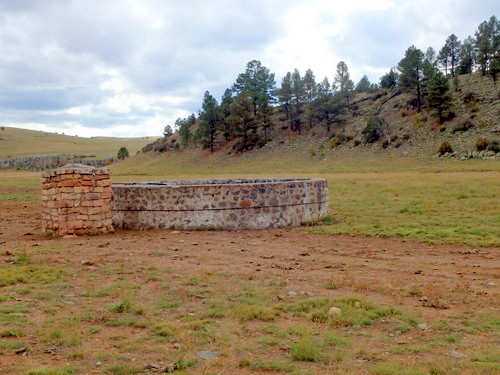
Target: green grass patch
(255,312)
(335,340)
(33,273)
(268,341)
(124,369)
(263,365)
(20,196)
(163,330)
(396,369)
(46,371)
(353,311)
(306,350)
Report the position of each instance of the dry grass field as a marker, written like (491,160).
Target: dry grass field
(21,142)
(409,255)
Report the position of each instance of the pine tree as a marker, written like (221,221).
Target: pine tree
(444,57)
(184,126)
(210,118)
(439,97)
(453,48)
(309,85)
(363,85)
(466,64)
(298,95)
(122,153)
(343,81)
(429,66)
(487,44)
(167,131)
(325,106)
(244,122)
(411,74)
(310,93)
(225,112)
(285,95)
(257,82)
(389,80)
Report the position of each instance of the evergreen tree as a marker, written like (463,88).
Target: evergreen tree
(466,64)
(363,85)
(343,81)
(122,153)
(487,43)
(411,74)
(257,83)
(309,85)
(225,112)
(167,131)
(210,118)
(184,126)
(325,106)
(389,80)
(444,57)
(429,66)
(285,95)
(244,122)
(298,95)
(310,93)
(439,97)
(453,52)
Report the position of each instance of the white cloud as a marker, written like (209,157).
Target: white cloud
(129,67)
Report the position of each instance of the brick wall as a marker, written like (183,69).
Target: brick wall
(76,199)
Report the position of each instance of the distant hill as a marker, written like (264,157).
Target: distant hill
(475,116)
(15,143)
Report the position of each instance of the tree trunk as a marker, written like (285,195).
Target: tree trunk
(419,98)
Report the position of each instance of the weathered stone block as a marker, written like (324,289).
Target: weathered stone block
(69,204)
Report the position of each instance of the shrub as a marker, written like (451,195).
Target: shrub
(334,142)
(470,97)
(494,146)
(463,126)
(122,307)
(305,350)
(122,153)
(445,148)
(374,129)
(167,131)
(481,144)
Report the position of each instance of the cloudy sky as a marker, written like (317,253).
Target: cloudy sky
(130,67)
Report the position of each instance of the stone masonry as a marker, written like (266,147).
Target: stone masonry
(76,199)
(228,204)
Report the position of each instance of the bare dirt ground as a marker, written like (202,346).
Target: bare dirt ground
(451,289)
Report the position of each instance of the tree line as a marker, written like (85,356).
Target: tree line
(248,110)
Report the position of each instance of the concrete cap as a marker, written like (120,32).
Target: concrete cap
(76,168)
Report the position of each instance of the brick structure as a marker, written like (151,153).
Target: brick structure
(76,199)
(220,204)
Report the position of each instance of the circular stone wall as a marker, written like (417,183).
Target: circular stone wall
(219,204)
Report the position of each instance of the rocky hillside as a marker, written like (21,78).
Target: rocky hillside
(472,127)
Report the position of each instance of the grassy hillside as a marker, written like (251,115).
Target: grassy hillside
(21,142)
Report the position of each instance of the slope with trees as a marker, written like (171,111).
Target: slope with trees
(415,94)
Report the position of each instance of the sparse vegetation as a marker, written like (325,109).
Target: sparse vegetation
(482,144)
(445,148)
(123,153)
(306,350)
